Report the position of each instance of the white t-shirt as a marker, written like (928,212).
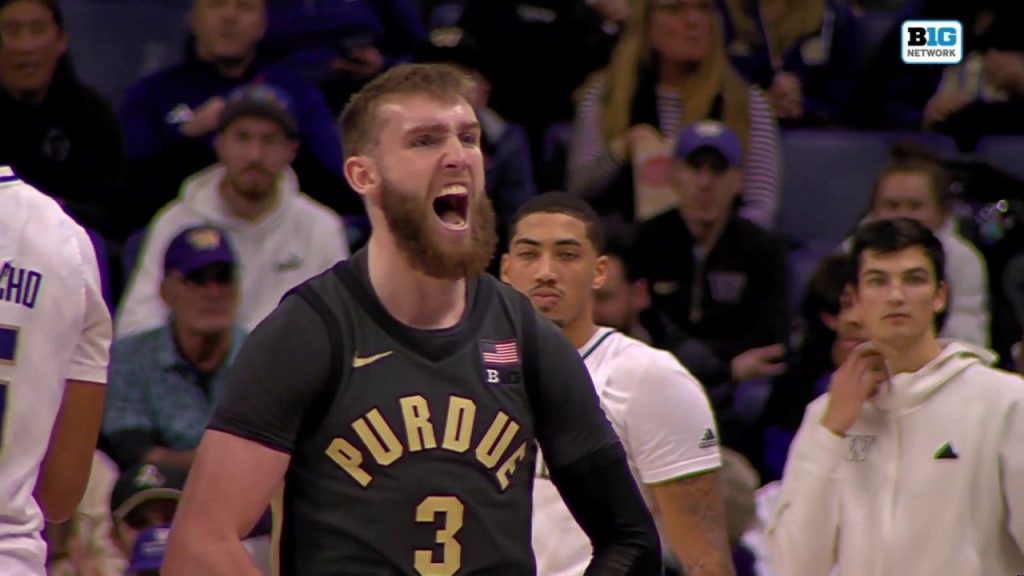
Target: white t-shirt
(664,420)
(54,326)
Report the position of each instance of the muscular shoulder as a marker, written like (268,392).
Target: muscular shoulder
(635,364)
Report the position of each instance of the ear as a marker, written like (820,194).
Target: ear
(941,299)
(641,297)
(293,150)
(165,291)
(362,174)
(62,47)
(830,321)
(218,143)
(600,272)
(504,268)
(735,176)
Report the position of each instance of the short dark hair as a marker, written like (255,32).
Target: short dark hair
(52,5)
(888,236)
(359,118)
(562,203)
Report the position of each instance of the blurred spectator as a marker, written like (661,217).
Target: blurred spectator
(965,82)
(831,330)
(164,382)
(143,505)
(669,70)
(801,52)
(341,45)
(170,117)
(1004,71)
(893,95)
(917,186)
(58,134)
(1013,291)
(717,281)
(509,168)
(620,300)
(282,236)
(84,545)
(538,52)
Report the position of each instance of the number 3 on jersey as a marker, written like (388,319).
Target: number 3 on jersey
(8,347)
(451,553)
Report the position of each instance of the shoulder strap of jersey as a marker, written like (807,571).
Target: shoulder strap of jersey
(318,409)
(525,321)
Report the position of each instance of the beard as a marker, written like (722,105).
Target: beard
(408,218)
(253,189)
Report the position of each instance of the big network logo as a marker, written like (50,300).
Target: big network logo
(932,42)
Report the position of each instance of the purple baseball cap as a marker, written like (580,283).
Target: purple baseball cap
(149,549)
(710,134)
(260,99)
(197,247)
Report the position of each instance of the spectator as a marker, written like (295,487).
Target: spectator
(1004,70)
(915,439)
(620,300)
(281,235)
(143,504)
(164,382)
(538,52)
(669,70)
(717,282)
(171,116)
(831,330)
(341,45)
(801,52)
(509,169)
(916,186)
(58,134)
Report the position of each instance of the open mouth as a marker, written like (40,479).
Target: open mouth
(452,206)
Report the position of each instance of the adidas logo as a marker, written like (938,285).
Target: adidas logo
(709,439)
(946,452)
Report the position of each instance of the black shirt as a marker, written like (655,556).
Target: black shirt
(417,459)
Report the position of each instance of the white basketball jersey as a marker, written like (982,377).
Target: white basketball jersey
(54,326)
(664,420)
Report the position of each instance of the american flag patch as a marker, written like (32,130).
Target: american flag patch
(503,352)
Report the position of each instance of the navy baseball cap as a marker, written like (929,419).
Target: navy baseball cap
(260,99)
(197,247)
(144,483)
(710,134)
(148,552)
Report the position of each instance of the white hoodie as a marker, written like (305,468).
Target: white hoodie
(929,480)
(298,239)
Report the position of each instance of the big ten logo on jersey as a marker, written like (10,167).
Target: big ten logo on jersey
(19,285)
(501,361)
(379,438)
(932,42)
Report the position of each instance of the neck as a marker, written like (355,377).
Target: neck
(229,67)
(707,232)
(204,351)
(674,74)
(580,331)
(902,358)
(410,296)
(251,209)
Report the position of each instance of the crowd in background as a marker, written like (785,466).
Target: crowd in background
(214,184)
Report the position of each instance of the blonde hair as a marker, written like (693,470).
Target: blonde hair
(800,18)
(713,76)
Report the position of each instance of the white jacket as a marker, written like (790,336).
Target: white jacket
(929,480)
(299,239)
(967,276)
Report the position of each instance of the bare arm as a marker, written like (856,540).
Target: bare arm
(223,500)
(65,470)
(693,521)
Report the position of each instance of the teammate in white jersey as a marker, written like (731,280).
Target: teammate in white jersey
(658,409)
(55,334)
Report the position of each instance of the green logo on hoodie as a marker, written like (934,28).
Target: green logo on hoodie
(946,452)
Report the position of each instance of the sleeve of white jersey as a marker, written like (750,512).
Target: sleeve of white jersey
(668,424)
(92,352)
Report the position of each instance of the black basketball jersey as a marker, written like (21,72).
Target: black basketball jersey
(413,452)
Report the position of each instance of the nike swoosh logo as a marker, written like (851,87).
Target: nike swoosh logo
(358,362)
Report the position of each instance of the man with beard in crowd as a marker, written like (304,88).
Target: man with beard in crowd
(400,395)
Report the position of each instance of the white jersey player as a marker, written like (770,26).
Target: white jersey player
(55,334)
(658,409)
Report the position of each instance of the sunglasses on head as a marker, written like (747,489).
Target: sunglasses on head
(222,274)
